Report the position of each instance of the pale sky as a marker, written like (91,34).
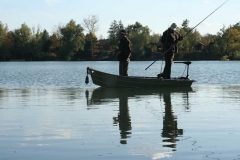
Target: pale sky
(156,14)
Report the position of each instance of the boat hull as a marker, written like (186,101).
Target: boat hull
(115,81)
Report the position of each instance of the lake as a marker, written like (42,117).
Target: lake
(48,112)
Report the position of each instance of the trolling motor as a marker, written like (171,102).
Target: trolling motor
(187,63)
(87,79)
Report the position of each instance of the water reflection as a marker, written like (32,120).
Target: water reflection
(170,130)
(123,120)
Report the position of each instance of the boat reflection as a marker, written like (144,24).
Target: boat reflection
(170,130)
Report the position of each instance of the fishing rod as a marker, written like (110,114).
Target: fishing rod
(190,31)
(204,19)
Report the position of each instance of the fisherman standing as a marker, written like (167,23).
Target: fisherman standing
(124,53)
(169,40)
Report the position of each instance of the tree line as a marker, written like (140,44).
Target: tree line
(68,42)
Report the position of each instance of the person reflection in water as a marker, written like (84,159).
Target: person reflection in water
(123,120)
(170,129)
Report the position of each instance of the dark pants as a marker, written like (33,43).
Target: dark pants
(123,68)
(168,65)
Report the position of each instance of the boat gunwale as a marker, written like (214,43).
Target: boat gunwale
(139,77)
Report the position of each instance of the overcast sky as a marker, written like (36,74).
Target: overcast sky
(156,14)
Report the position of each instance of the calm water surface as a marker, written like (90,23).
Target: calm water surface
(48,112)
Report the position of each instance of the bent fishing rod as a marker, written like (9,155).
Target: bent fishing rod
(190,31)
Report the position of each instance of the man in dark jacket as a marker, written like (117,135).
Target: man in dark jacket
(169,40)
(124,53)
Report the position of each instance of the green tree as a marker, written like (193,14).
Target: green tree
(45,41)
(55,43)
(236,26)
(3,38)
(139,37)
(72,40)
(191,38)
(8,46)
(90,41)
(185,26)
(22,37)
(152,47)
(212,49)
(232,41)
(154,38)
(113,32)
(207,39)
(35,45)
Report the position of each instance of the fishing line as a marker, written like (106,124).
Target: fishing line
(184,70)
